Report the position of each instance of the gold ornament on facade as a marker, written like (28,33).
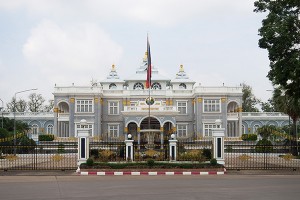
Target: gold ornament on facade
(125,129)
(96,100)
(240,109)
(223,100)
(161,129)
(72,100)
(200,100)
(55,110)
(138,129)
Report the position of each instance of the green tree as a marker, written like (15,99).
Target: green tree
(289,105)
(249,100)
(268,106)
(280,35)
(50,106)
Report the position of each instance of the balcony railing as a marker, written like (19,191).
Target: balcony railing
(146,108)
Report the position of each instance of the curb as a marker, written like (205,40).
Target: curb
(151,173)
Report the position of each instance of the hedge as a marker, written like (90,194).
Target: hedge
(48,137)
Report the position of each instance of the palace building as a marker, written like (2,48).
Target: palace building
(115,107)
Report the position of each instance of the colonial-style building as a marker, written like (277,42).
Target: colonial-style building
(115,107)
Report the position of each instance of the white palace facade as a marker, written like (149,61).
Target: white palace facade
(115,107)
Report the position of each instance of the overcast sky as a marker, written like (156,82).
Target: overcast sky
(48,42)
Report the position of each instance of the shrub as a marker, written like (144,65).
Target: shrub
(213,162)
(249,137)
(150,163)
(89,162)
(48,137)
(94,153)
(264,146)
(206,153)
(106,155)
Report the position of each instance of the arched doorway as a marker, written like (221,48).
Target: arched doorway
(150,132)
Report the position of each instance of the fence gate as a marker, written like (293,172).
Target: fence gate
(45,156)
(249,155)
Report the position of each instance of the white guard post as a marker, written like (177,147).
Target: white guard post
(129,148)
(83,143)
(173,145)
(218,143)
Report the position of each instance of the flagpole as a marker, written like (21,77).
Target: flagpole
(149,71)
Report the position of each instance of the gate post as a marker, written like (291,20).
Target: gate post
(129,148)
(173,145)
(83,143)
(218,143)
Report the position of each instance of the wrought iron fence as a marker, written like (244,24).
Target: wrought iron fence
(253,155)
(44,156)
(112,150)
(156,151)
(194,150)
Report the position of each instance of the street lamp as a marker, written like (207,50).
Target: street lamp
(1,109)
(15,139)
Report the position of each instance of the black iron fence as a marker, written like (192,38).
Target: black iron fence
(44,156)
(194,150)
(112,150)
(254,155)
(156,151)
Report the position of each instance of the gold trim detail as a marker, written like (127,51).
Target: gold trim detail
(223,100)
(72,100)
(96,100)
(55,110)
(240,109)
(200,100)
(161,129)
(138,129)
(125,129)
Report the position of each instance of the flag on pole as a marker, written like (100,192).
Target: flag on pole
(149,68)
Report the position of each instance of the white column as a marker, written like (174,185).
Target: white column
(83,144)
(129,148)
(218,145)
(173,149)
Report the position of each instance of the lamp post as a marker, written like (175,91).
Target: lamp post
(15,96)
(1,109)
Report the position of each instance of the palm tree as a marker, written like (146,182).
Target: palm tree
(289,105)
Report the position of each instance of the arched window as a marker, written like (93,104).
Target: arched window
(156,86)
(138,86)
(34,129)
(182,86)
(50,129)
(112,86)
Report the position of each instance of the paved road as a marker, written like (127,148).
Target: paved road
(146,187)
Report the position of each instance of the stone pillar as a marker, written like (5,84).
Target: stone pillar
(83,143)
(129,148)
(173,149)
(139,136)
(218,143)
(161,137)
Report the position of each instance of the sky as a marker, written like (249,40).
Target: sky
(48,42)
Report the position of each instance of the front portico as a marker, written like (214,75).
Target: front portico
(151,129)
